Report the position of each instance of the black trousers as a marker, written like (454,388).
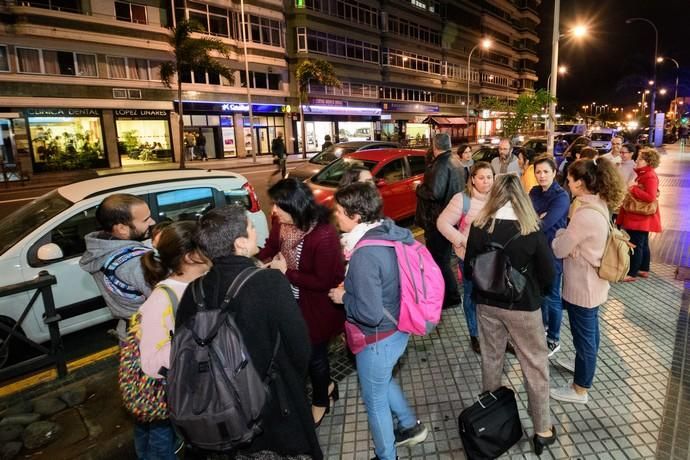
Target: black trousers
(320,374)
(440,250)
(640,258)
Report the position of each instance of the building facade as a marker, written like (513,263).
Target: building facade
(80,80)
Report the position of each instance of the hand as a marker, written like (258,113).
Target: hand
(336,294)
(279,263)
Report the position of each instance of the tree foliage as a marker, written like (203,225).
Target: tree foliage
(519,115)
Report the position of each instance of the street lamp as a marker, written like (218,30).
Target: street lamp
(656,54)
(247,79)
(675,94)
(485,44)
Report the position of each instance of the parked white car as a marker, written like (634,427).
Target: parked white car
(601,139)
(48,234)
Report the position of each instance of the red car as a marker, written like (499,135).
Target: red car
(397,173)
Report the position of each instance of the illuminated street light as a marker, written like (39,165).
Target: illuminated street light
(675,94)
(651,82)
(580,31)
(662,91)
(485,44)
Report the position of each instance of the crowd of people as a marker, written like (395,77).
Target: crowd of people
(316,282)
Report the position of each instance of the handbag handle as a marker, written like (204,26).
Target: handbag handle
(484,395)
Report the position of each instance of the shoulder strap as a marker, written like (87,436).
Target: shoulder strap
(174,301)
(466,203)
(364,242)
(237,284)
(606,217)
(117,259)
(512,238)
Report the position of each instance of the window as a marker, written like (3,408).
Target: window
(71,6)
(131,68)
(29,60)
(117,67)
(213,20)
(417,164)
(4,59)
(58,62)
(86,65)
(265,31)
(411,61)
(186,204)
(130,12)
(392,172)
(261,80)
(69,235)
(334,45)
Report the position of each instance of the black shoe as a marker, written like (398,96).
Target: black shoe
(540,442)
(474,343)
(411,436)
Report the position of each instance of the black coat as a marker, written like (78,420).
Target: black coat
(443,178)
(264,306)
(528,251)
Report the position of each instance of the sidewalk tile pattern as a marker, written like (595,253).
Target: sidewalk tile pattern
(442,376)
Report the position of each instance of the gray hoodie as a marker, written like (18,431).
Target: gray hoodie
(100,246)
(373,281)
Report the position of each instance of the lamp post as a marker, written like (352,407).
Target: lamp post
(675,94)
(656,52)
(561,70)
(249,93)
(485,44)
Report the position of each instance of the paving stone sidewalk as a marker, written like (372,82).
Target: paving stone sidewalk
(442,376)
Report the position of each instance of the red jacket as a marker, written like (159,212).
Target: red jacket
(321,267)
(645,189)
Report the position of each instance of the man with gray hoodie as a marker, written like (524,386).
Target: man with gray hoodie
(113,254)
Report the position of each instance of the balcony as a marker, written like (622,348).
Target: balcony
(69,6)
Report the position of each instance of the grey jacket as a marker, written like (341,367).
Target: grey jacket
(100,246)
(372,282)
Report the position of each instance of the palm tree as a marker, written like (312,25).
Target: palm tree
(316,70)
(191,55)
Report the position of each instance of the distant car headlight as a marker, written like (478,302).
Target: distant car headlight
(495,141)
(481,141)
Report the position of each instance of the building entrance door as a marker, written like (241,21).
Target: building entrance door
(6,142)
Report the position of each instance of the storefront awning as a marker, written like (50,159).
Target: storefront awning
(445,121)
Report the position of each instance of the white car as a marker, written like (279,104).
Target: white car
(601,139)
(48,234)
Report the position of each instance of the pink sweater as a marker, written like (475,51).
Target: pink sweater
(581,246)
(157,320)
(448,220)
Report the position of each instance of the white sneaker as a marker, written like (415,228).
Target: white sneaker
(553,347)
(568,394)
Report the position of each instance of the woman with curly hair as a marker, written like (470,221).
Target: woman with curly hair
(644,190)
(599,188)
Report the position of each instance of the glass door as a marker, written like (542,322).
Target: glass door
(6,143)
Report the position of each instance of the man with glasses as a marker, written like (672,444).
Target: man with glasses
(627,164)
(615,154)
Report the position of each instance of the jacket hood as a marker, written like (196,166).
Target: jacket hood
(100,246)
(388,231)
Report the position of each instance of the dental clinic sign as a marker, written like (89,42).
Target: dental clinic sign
(62,112)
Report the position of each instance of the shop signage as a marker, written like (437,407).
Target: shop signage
(62,112)
(140,113)
(322,101)
(396,107)
(235,108)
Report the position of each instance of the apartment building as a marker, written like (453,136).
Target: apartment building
(80,83)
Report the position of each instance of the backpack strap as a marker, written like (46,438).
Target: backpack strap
(112,282)
(466,203)
(384,243)
(606,217)
(174,301)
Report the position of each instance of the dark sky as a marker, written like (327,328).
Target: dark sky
(615,60)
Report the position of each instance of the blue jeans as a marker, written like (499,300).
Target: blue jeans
(154,441)
(584,325)
(382,395)
(552,309)
(468,304)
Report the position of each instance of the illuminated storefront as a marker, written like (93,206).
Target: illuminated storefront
(143,136)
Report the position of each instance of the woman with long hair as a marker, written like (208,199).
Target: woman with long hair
(508,219)
(465,154)
(454,224)
(551,203)
(598,188)
(644,190)
(305,247)
(168,269)
(526,163)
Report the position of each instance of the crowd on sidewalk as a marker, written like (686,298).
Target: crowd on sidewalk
(219,337)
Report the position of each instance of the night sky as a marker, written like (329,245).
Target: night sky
(614,61)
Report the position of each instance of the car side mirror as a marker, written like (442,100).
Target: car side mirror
(48,252)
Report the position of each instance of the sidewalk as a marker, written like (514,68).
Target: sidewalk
(639,405)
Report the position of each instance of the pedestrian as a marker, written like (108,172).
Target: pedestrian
(615,154)
(189,143)
(278,152)
(355,173)
(465,154)
(638,222)
(505,162)
(551,204)
(598,186)
(371,287)
(113,257)
(168,270)
(508,218)
(627,165)
(443,179)
(454,224)
(684,132)
(305,247)
(326,142)
(525,159)
(263,310)
(201,146)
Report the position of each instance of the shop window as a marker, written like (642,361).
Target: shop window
(130,12)
(187,204)
(4,59)
(392,172)
(66,142)
(70,234)
(144,140)
(29,60)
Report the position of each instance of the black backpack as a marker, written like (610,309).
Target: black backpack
(494,275)
(215,395)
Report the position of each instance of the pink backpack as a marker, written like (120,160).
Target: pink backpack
(421,286)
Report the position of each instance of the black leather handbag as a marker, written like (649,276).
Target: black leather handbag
(491,426)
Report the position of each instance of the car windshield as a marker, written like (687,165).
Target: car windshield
(331,153)
(601,136)
(332,174)
(25,219)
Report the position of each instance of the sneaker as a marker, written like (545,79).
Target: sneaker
(411,436)
(553,347)
(568,394)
